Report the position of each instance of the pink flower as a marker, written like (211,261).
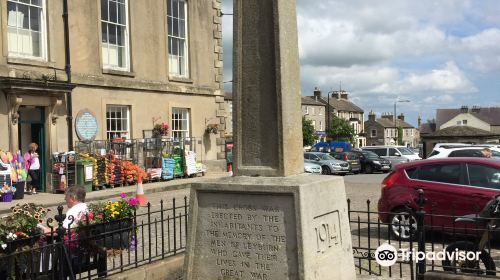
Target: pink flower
(123,195)
(133,201)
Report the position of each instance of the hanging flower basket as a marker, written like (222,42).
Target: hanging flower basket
(160,130)
(212,128)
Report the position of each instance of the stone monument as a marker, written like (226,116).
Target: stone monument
(269,221)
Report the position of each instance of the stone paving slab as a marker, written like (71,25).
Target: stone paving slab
(51,200)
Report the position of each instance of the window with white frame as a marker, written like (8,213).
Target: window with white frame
(180,123)
(26,28)
(115,33)
(320,126)
(177,38)
(374,133)
(312,110)
(306,110)
(321,111)
(117,121)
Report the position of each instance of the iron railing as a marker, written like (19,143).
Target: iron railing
(154,233)
(427,234)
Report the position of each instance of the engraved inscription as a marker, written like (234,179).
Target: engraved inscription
(327,231)
(254,240)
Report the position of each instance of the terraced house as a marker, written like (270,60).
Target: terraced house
(338,104)
(124,65)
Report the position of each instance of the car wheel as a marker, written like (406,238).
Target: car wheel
(403,225)
(387,171)
(368,169)
(325,170)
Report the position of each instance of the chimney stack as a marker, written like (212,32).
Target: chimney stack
(344,95)
(389,116)
(419,122)
(464,109)
(336,95)
(371,116)
(401,117)
(476,109)
(317,93)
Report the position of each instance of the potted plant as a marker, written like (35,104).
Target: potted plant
(109,224)
(7,192)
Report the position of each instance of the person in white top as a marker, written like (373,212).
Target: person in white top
(75,199)
(32,163)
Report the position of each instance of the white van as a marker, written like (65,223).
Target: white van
(395,154)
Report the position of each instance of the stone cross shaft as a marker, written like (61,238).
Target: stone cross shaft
(266,86)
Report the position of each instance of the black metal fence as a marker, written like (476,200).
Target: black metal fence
(92,251)
(422,240)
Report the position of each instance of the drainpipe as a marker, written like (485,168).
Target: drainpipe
(67,69)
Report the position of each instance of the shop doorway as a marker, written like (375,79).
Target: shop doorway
(32,130)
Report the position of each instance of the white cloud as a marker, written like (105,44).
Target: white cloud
(435,53)
(449,79)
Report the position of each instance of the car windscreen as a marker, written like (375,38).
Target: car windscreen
(325,157)
(371,155)
(405,151)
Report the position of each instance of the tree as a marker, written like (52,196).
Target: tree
(400,135)
(341,130)
(308,135)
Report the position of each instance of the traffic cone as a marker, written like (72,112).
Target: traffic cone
(140,192)
(230,169)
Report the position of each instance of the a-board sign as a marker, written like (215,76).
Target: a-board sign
(86,125)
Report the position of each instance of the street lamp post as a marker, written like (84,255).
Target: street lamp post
(395,117)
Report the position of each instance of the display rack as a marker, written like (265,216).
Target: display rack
(152,154)
(124,150)
(83,147)
(63,171)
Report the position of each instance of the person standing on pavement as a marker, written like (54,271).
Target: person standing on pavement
(32,164)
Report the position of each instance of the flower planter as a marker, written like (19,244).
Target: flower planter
(110,235)
(6,197)
(13,245)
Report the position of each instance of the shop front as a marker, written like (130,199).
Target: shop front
(34,112)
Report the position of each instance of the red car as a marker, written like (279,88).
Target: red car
(452,186)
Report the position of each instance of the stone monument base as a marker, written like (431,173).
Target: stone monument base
(269,228)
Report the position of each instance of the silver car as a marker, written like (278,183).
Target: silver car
(312,167)
(329,165)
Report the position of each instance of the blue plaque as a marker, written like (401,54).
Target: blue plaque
(86,125)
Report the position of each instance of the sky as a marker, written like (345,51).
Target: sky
(436,54)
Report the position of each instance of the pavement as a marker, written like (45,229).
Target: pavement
(50,199)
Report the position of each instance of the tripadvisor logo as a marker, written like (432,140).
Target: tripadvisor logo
(387,255)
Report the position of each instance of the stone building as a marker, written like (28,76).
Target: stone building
(228,120)
(475,125)
(314,110)
(123,65)
(342,107)
(383,132)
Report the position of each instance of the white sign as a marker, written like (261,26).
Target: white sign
(88,173)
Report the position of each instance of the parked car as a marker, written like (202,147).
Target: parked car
(312,167)
(466,151)
(329,165)
(395,154)
(371,162)
(352,158)
(452,186)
